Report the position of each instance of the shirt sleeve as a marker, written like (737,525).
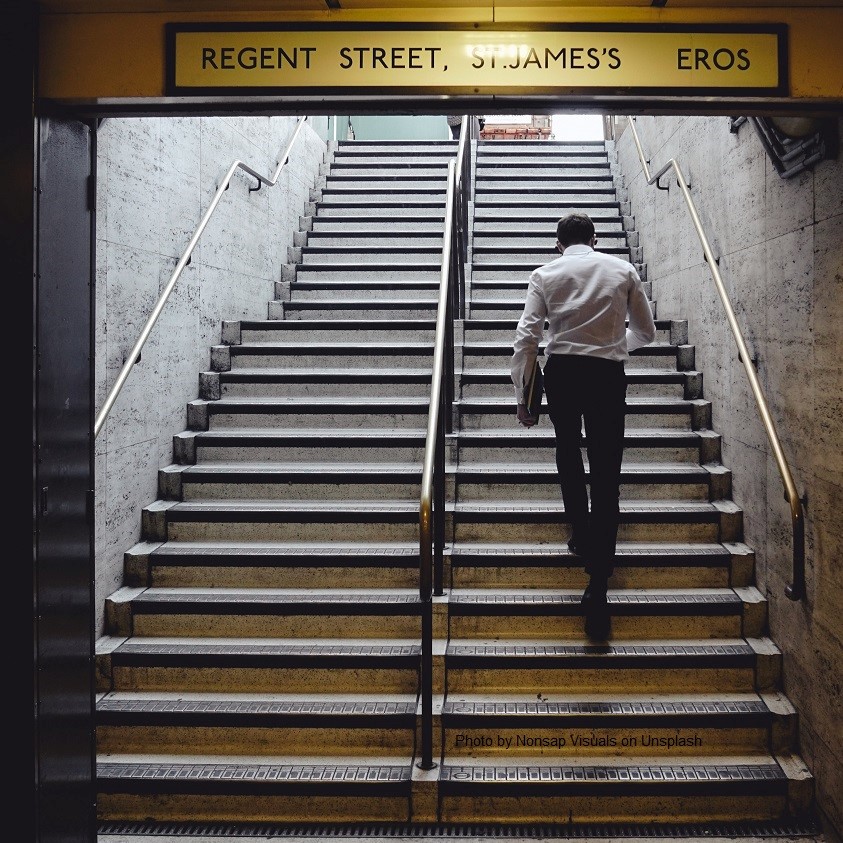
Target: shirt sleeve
(642,328)
(527,337)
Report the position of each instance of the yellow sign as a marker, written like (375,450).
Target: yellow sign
(215,59)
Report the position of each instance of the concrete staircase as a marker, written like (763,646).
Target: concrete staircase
(261,662)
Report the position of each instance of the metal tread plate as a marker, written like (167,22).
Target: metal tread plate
(623,604)
(523,714)
(257,713)
(606,656)
(621,780)
(267,778)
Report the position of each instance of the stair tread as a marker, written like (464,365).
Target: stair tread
(309,325)
(409,471)
(346,505)
(341,374)
(553,551)
(257,707)
(520,436)
(320,434)
(519,469)
(233,403)
(220,648)
(280,548)
(323,347)
(630,595)
(603,702)
(494,403)
(271,596)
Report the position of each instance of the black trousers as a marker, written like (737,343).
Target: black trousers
(589,393)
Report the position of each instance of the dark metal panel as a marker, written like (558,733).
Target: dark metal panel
(63,431)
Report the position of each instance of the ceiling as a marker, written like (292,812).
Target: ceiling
(135,6)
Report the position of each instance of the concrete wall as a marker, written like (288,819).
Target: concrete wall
(780,243)
(156,178)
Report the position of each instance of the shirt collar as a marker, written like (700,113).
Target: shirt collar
(578,249)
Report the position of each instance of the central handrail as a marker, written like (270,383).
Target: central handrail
(184,260)
(440,423)
(432,497)
(796,589)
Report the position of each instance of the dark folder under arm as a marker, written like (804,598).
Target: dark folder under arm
(534,390)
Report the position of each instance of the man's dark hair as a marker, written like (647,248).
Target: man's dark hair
(574,228)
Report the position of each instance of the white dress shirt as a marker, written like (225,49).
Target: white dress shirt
(586,297)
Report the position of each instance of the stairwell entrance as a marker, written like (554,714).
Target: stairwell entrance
(492,667)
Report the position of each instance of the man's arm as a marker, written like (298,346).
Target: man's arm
(527,337)
(642,328)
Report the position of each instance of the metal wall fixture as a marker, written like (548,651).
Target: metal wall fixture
(796,589)
(184,260)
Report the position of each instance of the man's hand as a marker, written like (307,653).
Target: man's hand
(523,417)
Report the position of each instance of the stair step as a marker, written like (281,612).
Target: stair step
(342,308)
(552,666)
(324,382)
(374,330)
(654,564)
(260,724)
(397,169)
(265,613)
(298,520)
(636,613)
(380,271)
(280,788)
(258,665)
(299,480)
(326,226)
(644,520)
(664,413)
(308,412)
(320,284)
(558,207)
(642,381)
(603,217)
(275,564)
(398,210)
(536,228)
(497,726)
(344,235)
(485,354)
(282,354)
(340,441)
(384,253)
(488,481)
(537,445)
(696,788)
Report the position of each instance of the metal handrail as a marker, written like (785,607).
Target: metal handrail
(184,260)
(796,589)
(432,497)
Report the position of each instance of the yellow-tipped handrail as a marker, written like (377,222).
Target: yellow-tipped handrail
(184,260)
(796,589)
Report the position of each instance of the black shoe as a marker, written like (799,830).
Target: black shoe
(575,547)
(595,592)
(598,622)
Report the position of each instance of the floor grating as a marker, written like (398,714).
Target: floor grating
(806,827)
